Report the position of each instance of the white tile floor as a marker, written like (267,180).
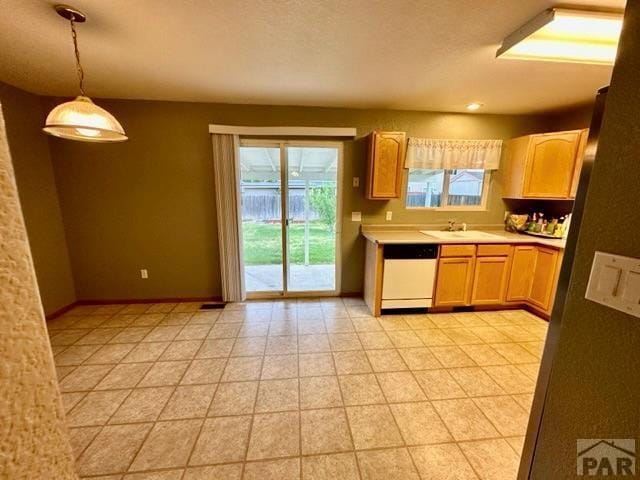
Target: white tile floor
(313,389)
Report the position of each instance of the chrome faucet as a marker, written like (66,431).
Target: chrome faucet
(452,226)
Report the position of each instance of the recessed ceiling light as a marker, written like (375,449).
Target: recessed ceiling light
(560,35)
(474,106)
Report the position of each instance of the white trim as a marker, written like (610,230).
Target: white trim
(284,131)
(484,199)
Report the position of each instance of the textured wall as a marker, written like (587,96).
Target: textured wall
(149,202)
(33,434)
(37,189)
(594,390)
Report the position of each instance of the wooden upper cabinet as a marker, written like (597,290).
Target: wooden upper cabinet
(582,146)
(544,165)
(545,276)
(386,163)
(454,281)
(522,268)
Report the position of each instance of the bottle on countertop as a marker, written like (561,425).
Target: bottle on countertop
(531,226)
(559,230)
(540,223)
(566,224)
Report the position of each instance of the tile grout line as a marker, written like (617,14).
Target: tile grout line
(397,347)
(155,422)
(344,407)
(115,411)
(197,437)
(395,422)
(253,416)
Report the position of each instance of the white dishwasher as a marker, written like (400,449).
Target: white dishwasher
(409,274)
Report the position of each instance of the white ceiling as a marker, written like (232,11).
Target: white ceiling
(405,54)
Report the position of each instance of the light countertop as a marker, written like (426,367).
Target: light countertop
(383,237)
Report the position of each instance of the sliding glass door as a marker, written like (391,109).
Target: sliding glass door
(262,237)
(290,193)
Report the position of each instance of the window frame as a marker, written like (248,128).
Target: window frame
(445,194)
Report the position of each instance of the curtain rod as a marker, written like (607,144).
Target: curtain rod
(286,131)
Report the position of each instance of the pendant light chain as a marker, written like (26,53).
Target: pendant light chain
(74,35)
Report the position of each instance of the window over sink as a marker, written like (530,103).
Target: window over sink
(451,189)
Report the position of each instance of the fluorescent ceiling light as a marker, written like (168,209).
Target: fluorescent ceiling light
(559,35)
(474,106)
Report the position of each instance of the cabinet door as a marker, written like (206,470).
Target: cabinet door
(522,268)
(490,280)
(386,157)
(551,165)
(454,281)
(582,146)
(544,278)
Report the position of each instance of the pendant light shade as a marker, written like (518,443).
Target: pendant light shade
(83,120)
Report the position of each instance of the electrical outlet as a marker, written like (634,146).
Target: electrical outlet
(389,215)
(144,273)
(506,214)
(356,181)
(356,216)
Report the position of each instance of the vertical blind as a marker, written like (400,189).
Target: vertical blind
(227,180)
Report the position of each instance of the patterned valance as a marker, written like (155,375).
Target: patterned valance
(453,154)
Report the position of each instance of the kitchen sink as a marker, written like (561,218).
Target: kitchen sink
(460,235)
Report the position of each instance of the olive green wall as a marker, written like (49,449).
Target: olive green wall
(34,176)
(149,202)
(594,390)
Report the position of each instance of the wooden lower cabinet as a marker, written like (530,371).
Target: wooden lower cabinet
(480,275)
(454,281)
(545,277)
(490,280)
(522,268)
(497,275)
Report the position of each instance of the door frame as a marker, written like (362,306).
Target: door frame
(284,169)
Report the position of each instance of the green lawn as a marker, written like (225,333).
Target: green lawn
(262,244)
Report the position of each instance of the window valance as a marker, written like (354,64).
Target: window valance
(453,154)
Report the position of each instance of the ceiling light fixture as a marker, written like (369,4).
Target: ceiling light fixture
(474,106)
(81,119)
(560,35)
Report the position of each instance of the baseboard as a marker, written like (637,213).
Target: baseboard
(351,294)
(60,311)
(63,310)
(540,313)
(115,301)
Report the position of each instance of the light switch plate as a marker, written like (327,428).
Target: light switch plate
(389,215)
(356,181)
(356,216)
(615,282)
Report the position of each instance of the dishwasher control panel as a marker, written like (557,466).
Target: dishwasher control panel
(411,251)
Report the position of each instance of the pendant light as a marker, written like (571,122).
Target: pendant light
(81,119)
